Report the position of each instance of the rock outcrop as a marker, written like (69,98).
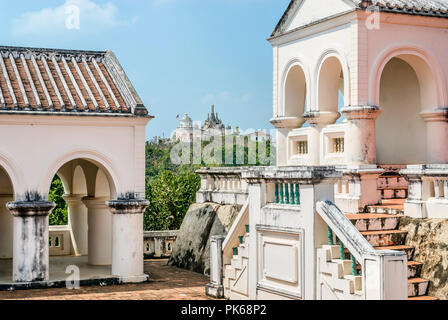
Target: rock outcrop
(430,239)
(202,221)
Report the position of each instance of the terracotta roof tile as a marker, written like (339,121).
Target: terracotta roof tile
(56,80)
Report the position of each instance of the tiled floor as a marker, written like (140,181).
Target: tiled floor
(167,283)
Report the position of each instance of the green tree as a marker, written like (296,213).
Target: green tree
(170,195)
(59,216)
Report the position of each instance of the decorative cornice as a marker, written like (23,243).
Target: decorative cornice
(287,122)
(131,206)
(361,112)
(321,117)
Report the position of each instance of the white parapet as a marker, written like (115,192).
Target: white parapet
(428,191)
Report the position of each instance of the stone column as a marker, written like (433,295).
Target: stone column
(127,240)
(317,121)
(360,140)
(99,231)
(437,135)
(6,228)
(31,252)
(78,222)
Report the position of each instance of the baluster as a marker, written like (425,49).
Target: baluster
(291,195)
(341,250)
(276,193)
(445,189)
(297,194)
(354,269)
(286,193)
(436,189)
(281,193)
(330,237)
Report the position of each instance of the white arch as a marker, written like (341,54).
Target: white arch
(295,62)
(336,53)
(401,49)
(19,184)
(101,159)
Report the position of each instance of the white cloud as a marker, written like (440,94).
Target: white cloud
(93,18)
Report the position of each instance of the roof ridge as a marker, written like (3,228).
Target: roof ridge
(48,50)
(429,8)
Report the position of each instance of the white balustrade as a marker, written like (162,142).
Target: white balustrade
(227,186)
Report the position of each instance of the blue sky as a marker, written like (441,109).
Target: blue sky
(181,55)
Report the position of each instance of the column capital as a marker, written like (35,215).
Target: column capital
(73,197)
(439,114)
(128,206)
(321,117)
(92,202)
(361,112)
(31,209)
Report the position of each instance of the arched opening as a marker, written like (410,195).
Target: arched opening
(295,97)
(86,239)
(331,88)
(407,87)
(6,227)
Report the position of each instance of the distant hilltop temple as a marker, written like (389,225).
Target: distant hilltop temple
(212,126)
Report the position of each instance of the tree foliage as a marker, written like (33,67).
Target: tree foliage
(59,216)
(170,195)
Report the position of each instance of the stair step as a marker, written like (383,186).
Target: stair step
(385,237)
(237,263)
(408,249)
(374,222)
(393,202)
(417,287)
(414,269)
(386,209)
(423,298)
(230,272)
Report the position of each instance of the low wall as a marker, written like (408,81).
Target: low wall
(158,244)
(60,241)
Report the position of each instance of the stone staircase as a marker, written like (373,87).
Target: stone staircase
(380,227)
(236,273)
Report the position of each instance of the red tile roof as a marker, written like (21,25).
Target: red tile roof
(65,81)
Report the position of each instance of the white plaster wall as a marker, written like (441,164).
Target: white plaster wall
(39,145)
(312,10)
(404,33)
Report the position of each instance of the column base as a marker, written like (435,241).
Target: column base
(214,290)
(134,279)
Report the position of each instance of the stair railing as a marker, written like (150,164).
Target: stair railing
(237,230)
(384,272)
(222,249)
